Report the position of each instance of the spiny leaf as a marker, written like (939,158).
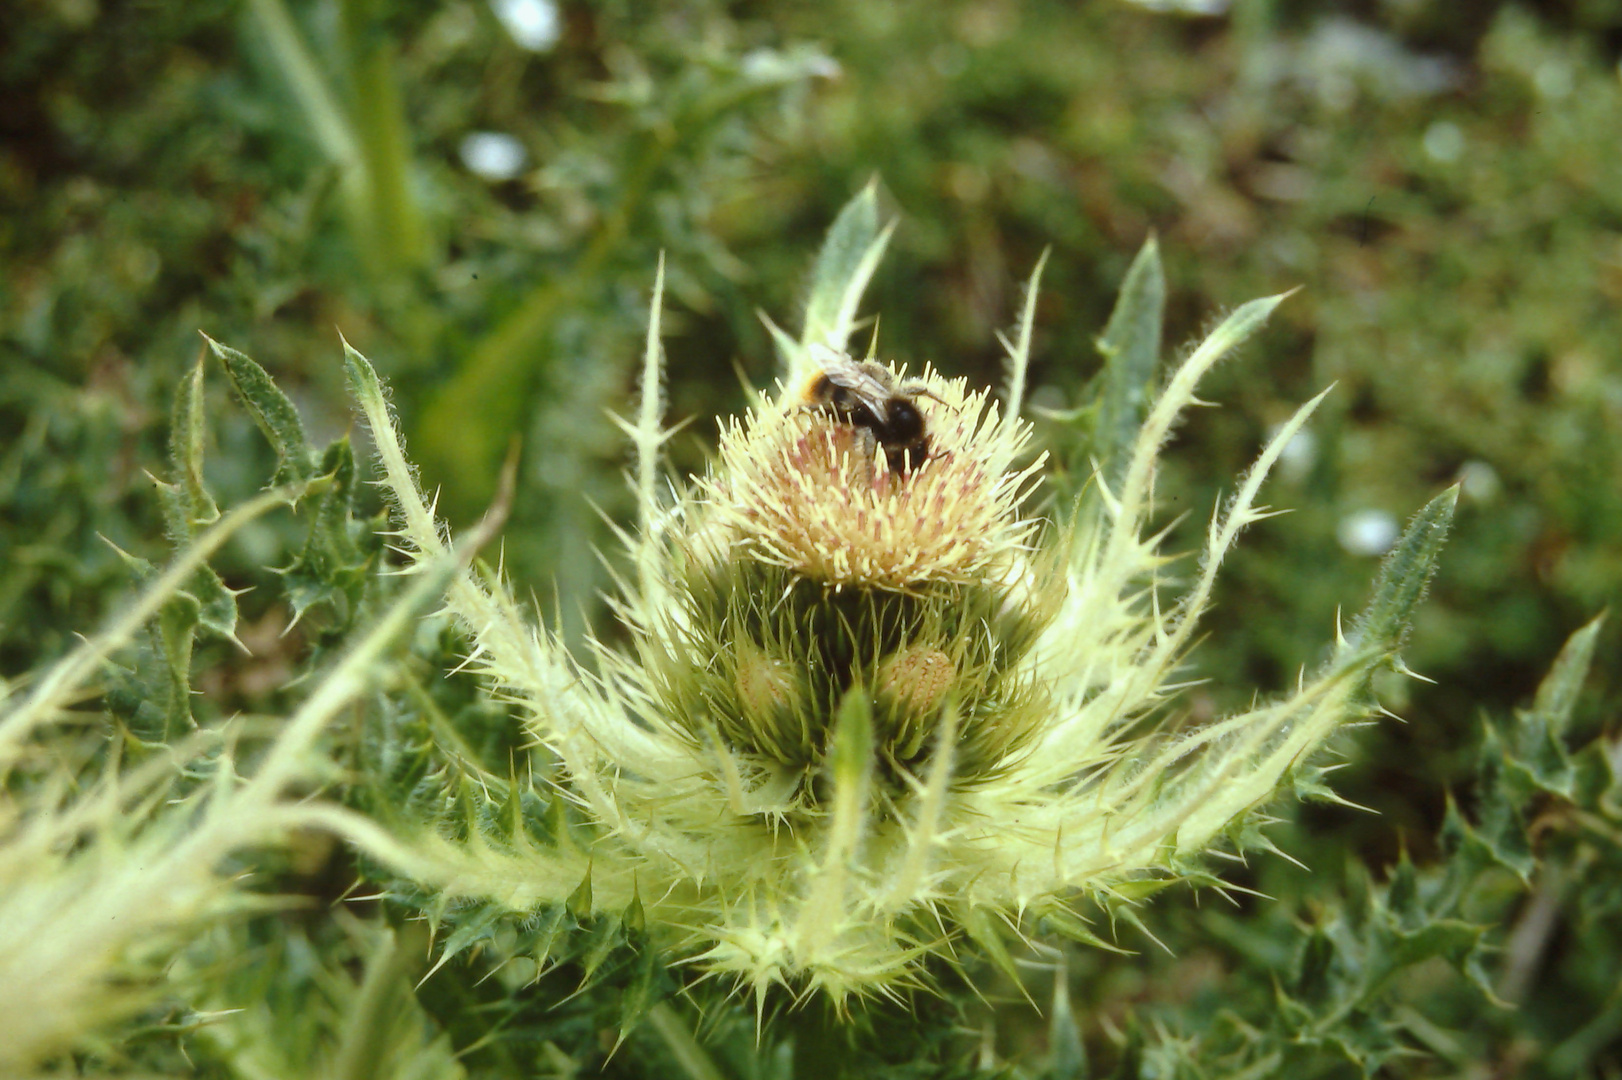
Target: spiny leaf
(605,935)
(296,459)
(1067,923)
(68,674)
(1533,760)
(1501,842)
(842,270)
(1404,577)
(371,1026)
(364,385)
(852,745)
(188,508)
(1348,960)
(579,901)
(331,568)
(1395,930)
(1557,693)
(636,920)
(471,930)
(640,994)
(176,630)
(1131,349)
(544,936)
(1067,1053)
(155,695)
(1403,892)
(1135,891)
(186,439)
(556,820)
(984,930)
(216,604)
(152,694)
(509,815)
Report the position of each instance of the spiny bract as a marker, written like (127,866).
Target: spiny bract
(868,713)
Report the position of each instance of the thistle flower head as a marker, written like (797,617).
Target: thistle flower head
(799,488)
(810,569)
(871,711)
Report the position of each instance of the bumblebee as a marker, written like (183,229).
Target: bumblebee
(863,394)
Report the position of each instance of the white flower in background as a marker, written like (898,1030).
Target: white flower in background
(536,25)
(493,155)
(1367,532)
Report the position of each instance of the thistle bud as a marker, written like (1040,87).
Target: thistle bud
(916,678)
(765,685)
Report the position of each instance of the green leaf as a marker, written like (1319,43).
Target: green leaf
(364,385)
(635,918)
(186,439)
(1403,578)
(509,814)
(1132,1054)
(188,508)
(331,569)
(579,902)
(1135,891)
(984,930)
(641,993)
(1595,775)
(556,820)
(843,268)
(1067,1054)
(216,603)
(152,694)
(1557,693)
(1315,975)
(155,696)
(1067,923)
(604,936)
(296,459)
(1526,758)
(1237,328)
(1131,349)
(1470,851)
(851,749)
(546,933)
(471,930)
(177,630)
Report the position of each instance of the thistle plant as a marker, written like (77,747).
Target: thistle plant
(869,714)
(115,853)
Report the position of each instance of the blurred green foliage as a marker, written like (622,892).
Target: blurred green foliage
(1445,185)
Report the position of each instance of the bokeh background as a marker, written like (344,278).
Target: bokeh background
(476,194)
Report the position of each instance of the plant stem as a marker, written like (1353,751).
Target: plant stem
(693,1058)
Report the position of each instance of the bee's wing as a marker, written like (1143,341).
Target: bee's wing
(824,357)
(869,390)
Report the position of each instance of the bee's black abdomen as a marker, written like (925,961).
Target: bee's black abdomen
(904,426)
(901,433)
